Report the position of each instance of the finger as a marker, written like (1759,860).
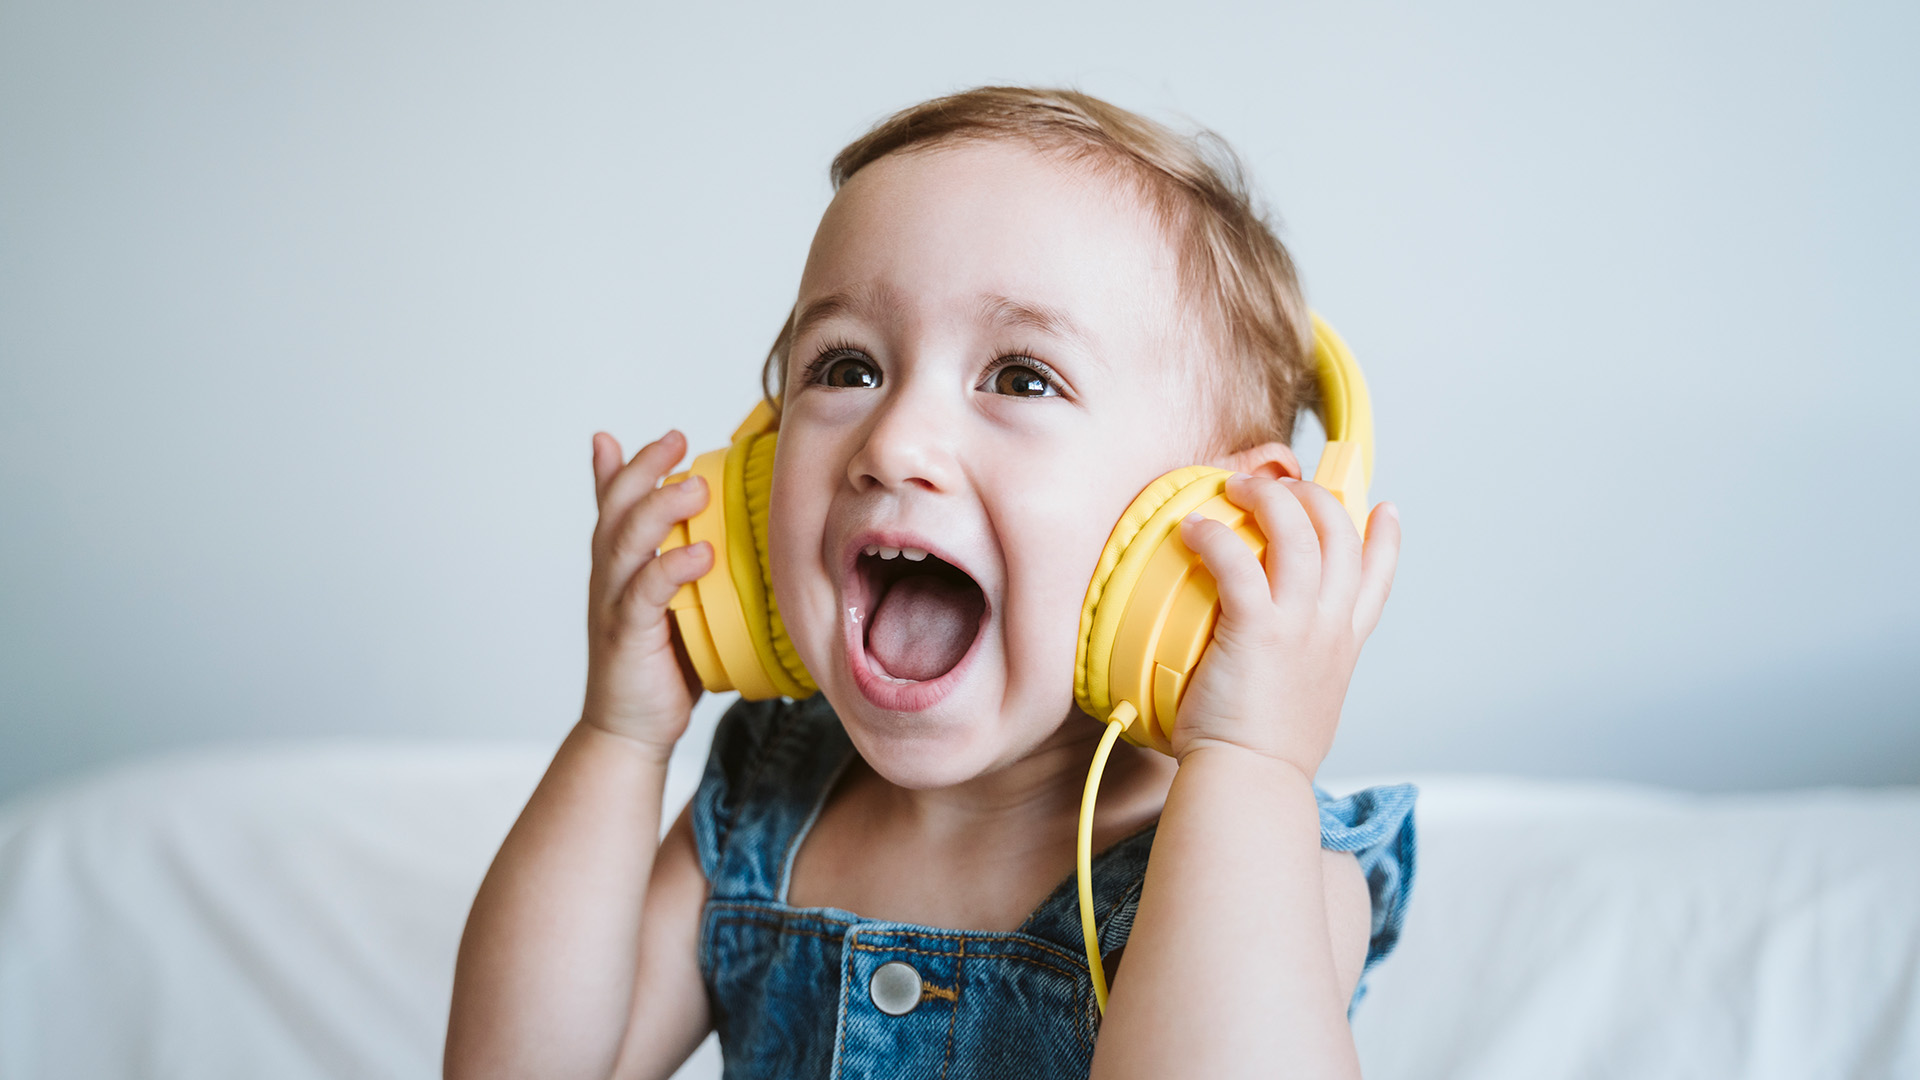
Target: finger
(653,587)
(650,463)
(637,477)
(1293,547)
(606,462)
(1244,598)
(1379,559)
(640,533)
(1339,543)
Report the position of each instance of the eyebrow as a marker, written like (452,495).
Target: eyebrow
(833,305)
(1001,311)
(1007,312)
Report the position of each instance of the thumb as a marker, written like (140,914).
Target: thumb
(606,462)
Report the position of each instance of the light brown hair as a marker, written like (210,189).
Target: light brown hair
(1235,272)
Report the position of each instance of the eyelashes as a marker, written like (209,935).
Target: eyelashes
(1004,377)
(826,355)
(840,365)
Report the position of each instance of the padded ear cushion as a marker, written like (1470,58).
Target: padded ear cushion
(749,589)
(1100,611)
(756,485)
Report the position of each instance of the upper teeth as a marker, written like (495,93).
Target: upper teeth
(912,554)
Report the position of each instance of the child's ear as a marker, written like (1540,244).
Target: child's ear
(1270,459)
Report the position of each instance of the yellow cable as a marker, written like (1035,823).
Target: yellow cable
(1123,714)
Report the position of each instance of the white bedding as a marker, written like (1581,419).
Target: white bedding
(293,913)
(1562,930)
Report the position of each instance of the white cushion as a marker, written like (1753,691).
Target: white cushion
(294,912)
(1587,930)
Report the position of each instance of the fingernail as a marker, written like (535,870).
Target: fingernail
(1193,517)
(1392,510)
(1241,476)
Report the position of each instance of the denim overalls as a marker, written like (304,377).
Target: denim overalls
(819,992)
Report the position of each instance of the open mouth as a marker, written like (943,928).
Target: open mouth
(924,614)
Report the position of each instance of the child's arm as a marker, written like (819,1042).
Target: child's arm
(581,952)
(1232,966)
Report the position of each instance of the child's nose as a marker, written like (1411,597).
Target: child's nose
(909,445)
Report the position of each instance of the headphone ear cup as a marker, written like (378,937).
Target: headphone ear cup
(707,645)
(1090,687)
(1152,604)
(727,619)
(786,671)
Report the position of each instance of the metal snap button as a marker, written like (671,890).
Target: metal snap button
(894,988)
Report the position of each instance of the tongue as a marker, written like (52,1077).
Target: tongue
(924,625)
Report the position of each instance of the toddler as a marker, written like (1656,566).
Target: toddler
(1020,308)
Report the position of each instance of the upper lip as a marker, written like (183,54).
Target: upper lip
(898,538)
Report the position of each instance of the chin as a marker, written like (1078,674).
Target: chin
(955,739)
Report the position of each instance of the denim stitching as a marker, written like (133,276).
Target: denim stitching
(1075,975)
(759,909)
(1023,939)
(782,929)
(953,1012)
(840,1022)
(782,922)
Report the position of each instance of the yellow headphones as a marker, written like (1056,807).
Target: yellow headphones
(1148,614)
(1149,610)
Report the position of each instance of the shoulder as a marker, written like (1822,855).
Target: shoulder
(1375,825)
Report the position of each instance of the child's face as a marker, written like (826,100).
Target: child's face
(989,363)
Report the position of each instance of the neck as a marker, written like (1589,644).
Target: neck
(981,854)
(1043,785)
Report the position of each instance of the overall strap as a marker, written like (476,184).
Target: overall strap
(769,772)
(1118,873)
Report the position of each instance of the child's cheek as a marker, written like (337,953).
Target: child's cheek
(1049,564)
(803,581)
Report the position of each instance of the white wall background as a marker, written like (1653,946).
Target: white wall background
(307,312)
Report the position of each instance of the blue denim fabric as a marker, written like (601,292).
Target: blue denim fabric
(789,987)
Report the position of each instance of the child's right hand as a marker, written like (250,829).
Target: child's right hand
(639,682)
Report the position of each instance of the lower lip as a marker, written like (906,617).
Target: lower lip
(905,697)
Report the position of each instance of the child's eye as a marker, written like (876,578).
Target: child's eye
(847,371)
(1020,379)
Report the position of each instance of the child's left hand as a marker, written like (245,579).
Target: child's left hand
(1273,679)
